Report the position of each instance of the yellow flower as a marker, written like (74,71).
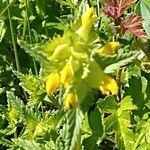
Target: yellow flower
(67,75)
(70,101)
(88,20)
(109,48)
(52,83)
(108,86)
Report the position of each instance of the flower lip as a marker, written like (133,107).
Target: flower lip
(71,100)
(52,83)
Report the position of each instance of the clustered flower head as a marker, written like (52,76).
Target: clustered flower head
(75,65)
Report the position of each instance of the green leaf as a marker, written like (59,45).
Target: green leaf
(29,117)
(96,122)
(145,12)
(111,64)
(33,85)
(27,144)
(109,104)
(126,105)
(72,130)
(90,143)
(2,90)
(125,137)
(2,30)
(119,123)
(111,124)
(138,95)
(36,51)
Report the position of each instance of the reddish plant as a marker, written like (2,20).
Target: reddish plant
(133,25)
(115,8)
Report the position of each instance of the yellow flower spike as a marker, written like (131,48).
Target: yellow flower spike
(52,83)
(88,20)
(109,48)
(67,75)
(70,101)
(109,86)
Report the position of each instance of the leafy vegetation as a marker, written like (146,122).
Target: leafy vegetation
(74,74)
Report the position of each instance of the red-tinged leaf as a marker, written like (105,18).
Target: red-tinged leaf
(115,8)
(133,25)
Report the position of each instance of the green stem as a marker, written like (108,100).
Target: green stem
(13,38)
(98,13)
(8,5)
(14,43)
(138,141)
(25,26)
(30,38)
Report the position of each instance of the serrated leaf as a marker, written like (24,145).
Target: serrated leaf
(119,123)
(111,123)
(126,105)
(27,144)
(111,64)
(125,137)
(33,85)
(26,114)
(145,12)
(35,51)
(109,104)
(72,130)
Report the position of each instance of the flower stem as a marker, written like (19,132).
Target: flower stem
(14,43)
(5,9)
(29,30)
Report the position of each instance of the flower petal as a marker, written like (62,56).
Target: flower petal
(109,86)
(70,101)
(109,48)
(67,75)
(52,83)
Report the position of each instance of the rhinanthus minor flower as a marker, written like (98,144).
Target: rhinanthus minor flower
(109,48)
(88,20)
(71,100)
(98,79)
(52,83)
(108,86)
(67,75)
(74,64)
